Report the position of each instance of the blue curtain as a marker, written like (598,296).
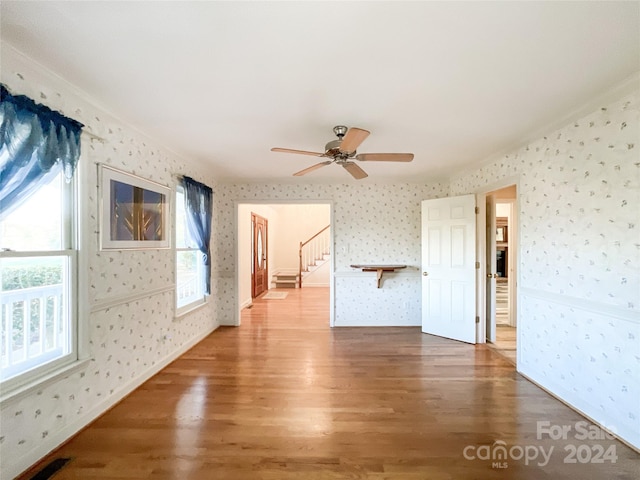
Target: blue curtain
(198,199)
(36,143)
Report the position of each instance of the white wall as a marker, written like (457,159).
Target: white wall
(297,223)
(503,210)
(579,286)
(129,322)
(371,223)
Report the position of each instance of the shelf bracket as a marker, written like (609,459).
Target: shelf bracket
(379,269)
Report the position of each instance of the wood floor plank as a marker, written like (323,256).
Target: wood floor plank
(285,397)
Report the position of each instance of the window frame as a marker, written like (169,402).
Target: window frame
(203,298)
(70,248)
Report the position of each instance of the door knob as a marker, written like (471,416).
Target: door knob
(492,275)
(424,274)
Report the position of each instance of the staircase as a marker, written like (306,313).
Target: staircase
(294,280)
(309,269)
(313,253)
(285,280)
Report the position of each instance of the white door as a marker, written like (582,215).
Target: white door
(491,268)
(449,267)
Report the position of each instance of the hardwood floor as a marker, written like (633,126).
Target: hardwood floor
(286,397)
(505,344)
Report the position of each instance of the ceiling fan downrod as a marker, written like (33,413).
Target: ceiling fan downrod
(340,131)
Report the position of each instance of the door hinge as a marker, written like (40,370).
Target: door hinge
(477,210)
(477,265)
(477,319)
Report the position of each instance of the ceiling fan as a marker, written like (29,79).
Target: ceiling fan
(343,150)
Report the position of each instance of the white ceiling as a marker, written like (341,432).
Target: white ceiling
(223,82)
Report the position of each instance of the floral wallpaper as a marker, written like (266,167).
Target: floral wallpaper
(588,356)
(579,280)
(579,191)
(128,340)
(358,301)
(372,224)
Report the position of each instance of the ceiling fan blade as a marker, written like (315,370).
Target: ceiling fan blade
(312,168)
(384,157)
(355,171)
(301,152)
(353,139)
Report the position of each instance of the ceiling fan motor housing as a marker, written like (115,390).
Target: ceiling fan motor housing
(332,149)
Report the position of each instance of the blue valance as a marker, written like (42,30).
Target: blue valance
(35,144)
(199,205)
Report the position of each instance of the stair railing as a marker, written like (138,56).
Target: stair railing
(312,250)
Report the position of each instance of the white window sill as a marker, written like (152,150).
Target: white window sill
(27,389)
(182,311)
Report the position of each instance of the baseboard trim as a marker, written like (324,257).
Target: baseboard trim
(56,440)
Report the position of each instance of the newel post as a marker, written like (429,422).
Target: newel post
(300,267)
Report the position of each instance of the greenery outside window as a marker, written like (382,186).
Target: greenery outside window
(38,270)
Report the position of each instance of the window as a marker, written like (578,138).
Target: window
(38,293)
(190,271)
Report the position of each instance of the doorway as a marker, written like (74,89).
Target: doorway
(285,224)
(259,255)
(501,271)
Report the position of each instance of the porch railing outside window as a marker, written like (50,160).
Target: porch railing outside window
(189,288)
(33,330)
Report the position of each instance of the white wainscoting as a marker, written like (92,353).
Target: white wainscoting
(587,353)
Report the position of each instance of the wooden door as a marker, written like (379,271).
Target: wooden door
(448,267)
(260,262)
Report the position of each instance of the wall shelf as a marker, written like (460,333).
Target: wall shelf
(379,269)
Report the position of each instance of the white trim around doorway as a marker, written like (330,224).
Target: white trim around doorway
(481,248)
(262,201)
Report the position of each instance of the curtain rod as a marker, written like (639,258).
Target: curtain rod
(93,136)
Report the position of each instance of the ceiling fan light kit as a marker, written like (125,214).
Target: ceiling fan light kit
(343,150)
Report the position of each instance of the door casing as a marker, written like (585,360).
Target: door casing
(235,274)
(514,233)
